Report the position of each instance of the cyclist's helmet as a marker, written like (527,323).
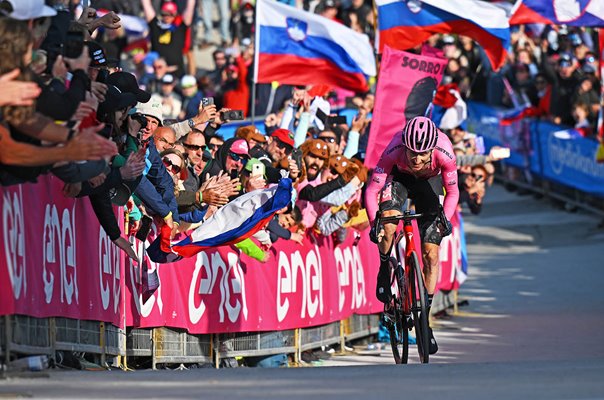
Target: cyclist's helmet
(420,134)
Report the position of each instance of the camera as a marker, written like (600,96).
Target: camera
(232,115)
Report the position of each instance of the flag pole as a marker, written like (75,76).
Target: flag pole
(256,50)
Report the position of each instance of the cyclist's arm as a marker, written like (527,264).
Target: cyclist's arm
(384,166)
(449,178)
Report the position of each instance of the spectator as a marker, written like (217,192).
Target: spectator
(225,16)
(170,100)
(164,138)
(235,86)
(214,143)
(191,97)
(168,32)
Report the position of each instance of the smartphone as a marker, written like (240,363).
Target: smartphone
(206,101)
(102,75)
(74,44)
(233,115)
(501,153)
(479,143)
(234,174)
(258,169)
(145,228)
(337,120)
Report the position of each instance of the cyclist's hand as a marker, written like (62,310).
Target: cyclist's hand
(373,234)
(445,227)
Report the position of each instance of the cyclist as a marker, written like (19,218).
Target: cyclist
(410,168)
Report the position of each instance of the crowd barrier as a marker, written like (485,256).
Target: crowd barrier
(65,286)
(553,159)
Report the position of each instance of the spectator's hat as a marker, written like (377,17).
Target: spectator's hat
(315,147)
(329,4)
(284,136)
(97,54)
(152,108)
(250,132)
(168,79)
(240,147)
(126,82)
(565,60)
(116,100)
(188,81)
(169,8)
(25,10)
(338,163)
(448,39)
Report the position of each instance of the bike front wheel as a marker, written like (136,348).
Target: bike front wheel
(417,292)
(397,328)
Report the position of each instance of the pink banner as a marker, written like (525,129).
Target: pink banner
(57,260)
(450,274)
(301,285)
(405,88)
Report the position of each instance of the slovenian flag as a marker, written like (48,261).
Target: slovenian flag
(559,12)
(405,24)
(300,48)
(232,223)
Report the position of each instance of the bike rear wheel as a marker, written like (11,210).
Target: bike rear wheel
(417,291)
(397,329)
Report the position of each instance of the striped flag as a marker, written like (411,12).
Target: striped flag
(405,24)
(300,48)
(234,222)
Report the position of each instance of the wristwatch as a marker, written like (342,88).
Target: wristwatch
(191,123)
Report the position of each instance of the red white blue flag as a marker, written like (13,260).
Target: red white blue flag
(559,12)
(234,222)
(300,48)
(405,24)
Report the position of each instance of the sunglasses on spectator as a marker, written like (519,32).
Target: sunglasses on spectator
(195,147)
(164,14)
(540,82)
(283,146)
(175,169)
(327,139)
(238,157)
(478,177)
(171,144)
(213,146)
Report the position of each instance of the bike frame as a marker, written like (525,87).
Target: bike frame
(407,234)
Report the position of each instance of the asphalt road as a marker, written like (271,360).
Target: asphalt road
(533,329)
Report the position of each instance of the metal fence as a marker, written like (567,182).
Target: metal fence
(28,335)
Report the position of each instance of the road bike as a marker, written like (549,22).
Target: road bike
(409,305)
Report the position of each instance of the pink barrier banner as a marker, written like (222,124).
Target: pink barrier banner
(450,273)
(220,291)
(405,88)
(56,259)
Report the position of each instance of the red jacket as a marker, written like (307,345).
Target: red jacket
(239,98)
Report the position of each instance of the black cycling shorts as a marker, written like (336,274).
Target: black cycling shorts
(425,195)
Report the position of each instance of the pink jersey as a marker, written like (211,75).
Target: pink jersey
(443,163)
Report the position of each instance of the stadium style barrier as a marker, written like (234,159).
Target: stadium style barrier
(551,159)
(65,286)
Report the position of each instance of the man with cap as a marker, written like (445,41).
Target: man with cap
(169,31)
(191,97)
(564,78)
(275,153)
(170,100)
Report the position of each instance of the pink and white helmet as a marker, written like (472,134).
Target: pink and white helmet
(420,134)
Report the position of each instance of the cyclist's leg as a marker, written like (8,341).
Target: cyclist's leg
(427,200)
(392,198)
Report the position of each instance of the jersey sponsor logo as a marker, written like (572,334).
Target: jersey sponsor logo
(445,152)
(378,170)
(451,173)
(451,183)
(398,146)
(421,66)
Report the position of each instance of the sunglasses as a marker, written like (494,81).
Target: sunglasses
(213,146)
(164,14)
(327,139)
(175,169)
(478,177)
(195,147)
(238,157)
(283,146)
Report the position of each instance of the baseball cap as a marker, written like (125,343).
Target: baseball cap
(330,4)
(115,100)
(24,10)
(250,132)
(284,136)
(97,54)
(565,60)
(126,82)
(169,8)
(152,108)
(188,81)
(168,78)
(448,39)
(315,147)
(239,147)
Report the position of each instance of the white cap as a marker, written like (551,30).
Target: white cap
(24,10)
(188,81)
(152,108)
